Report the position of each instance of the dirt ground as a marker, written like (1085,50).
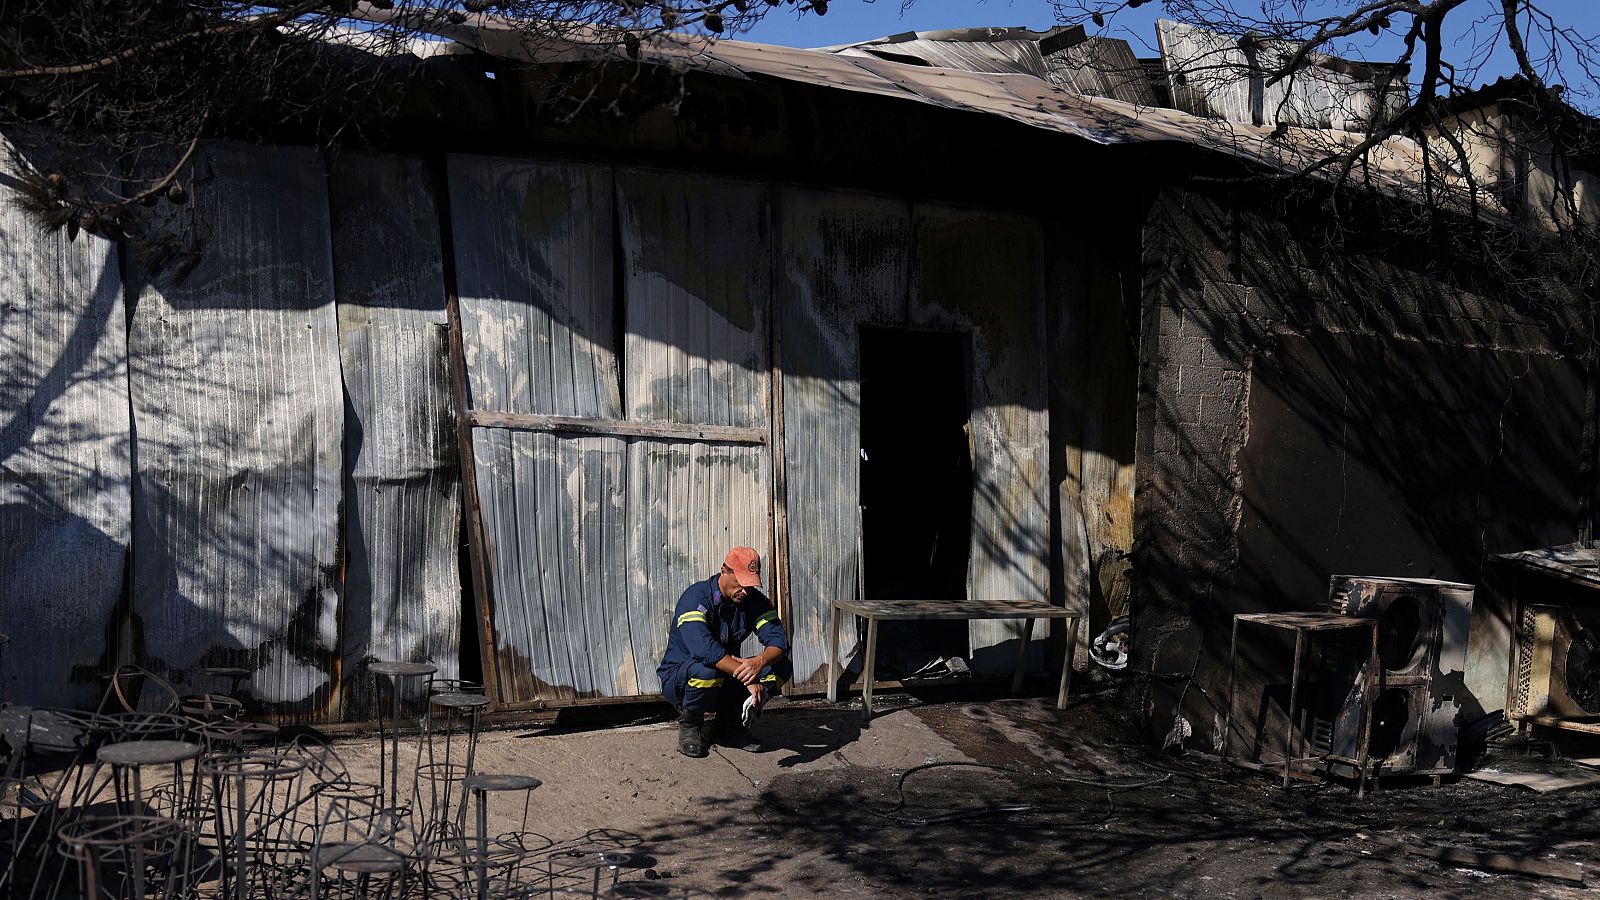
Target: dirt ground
(1077,806)
(978,795)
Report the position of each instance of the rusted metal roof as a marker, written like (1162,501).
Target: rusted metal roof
(1578,562)
(1023,98)
(1101,67)
(998,50)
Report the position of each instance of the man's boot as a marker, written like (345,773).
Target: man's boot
(691,733)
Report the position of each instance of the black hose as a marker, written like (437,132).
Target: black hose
(1111,786)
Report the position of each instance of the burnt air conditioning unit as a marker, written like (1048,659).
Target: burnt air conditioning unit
(1554,607)
(1422,658)
(1558,665)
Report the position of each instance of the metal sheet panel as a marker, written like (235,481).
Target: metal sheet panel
(1015,56)
(534,268)
(1393,166)
(402,594)
(697,264)
(1216,75)
(1092,372)
(534,274)
(64,456)
(695,253)
(687,505)
(846,260)
(238,419)
(1101,67)
(1210,75)
(984,271)
(1070,317)
(554,515)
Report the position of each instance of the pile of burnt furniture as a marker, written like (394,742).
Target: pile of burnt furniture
(191,801)
(1369,686)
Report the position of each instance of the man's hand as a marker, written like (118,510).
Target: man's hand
(748,671)
(758,691)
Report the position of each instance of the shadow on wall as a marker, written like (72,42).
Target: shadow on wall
(1306,411)
(217,398)
(179,407)
(64,455)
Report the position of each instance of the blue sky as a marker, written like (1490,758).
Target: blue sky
(855,20)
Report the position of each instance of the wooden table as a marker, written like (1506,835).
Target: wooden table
(875,611)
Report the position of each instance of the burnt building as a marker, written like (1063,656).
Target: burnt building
(915,316)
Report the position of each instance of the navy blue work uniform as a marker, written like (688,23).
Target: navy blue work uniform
(705,628)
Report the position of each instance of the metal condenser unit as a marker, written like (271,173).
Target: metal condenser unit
(1552,599)
(1422,655)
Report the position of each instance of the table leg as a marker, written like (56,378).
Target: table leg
(138,839)
(1022,656)
(394,745)
(1368,688)
(483,845)
(1227,715)
(1066,663)
(833,653)
(1289,741)
(869,674)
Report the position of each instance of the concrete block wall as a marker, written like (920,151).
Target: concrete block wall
(1228,286)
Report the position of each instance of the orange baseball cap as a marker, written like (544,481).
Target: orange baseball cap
(746,565)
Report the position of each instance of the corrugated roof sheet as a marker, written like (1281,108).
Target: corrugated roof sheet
(1021,98)
(1217,75)
(1101,67)
(1016,57)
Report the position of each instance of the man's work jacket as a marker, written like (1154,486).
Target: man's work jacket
(706,627)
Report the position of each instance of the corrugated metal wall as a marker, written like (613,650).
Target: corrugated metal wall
(238,422)
(854,260)
(696,257)
(402,580)
(533,253)
(846,261)
(295,495)
(174,474)
(64,454)
(533,269)
(592,536)
(554,509)
(1093,370)
(985,272)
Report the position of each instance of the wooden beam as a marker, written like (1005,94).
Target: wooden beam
(663,431)
(778,564)
(477,546)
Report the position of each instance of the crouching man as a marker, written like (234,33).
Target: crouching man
(702,672)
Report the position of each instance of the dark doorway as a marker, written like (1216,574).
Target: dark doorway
(916,486)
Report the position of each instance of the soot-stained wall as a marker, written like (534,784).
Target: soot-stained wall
(1375,410)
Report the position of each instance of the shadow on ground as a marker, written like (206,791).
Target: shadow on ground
(1104,817)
